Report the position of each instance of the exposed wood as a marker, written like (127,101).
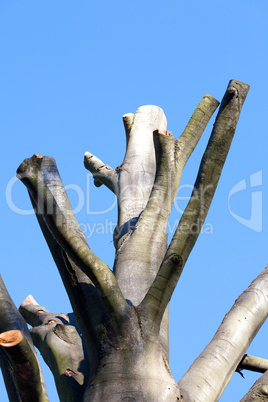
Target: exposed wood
(18,358)
(10,338)
(26,374)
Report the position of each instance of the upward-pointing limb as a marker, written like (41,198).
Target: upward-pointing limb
(196,211)
(34,173)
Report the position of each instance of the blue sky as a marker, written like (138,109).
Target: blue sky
(69,71)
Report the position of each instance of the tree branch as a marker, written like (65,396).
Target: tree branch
(196,211)
(259,390)
(210,170)
(18,358)
(253,363)
(102,174)
(210,373)
(26,369)
(34,173)
(196,126)
(83,295)
(61,347)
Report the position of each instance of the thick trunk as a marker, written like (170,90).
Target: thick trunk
(138,374)
(134,367)
(138,257)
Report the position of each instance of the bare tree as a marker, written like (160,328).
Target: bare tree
(114,346)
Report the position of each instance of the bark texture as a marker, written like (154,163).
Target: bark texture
(58,339)
(259,391)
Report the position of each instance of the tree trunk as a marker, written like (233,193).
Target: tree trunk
(133,367)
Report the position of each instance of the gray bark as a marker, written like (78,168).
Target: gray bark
(212,370)
(82,294)
(58,339)
(259,391)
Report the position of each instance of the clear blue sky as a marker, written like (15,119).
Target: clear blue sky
(69,71)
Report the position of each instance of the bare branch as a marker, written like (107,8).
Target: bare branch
(34,173)
(61,347)
(210,170)
(25,367)
(83,295)
(196,126)
(102,174)
(36,315)
(18,357)
(219,360)
(253,363)
(196,211)
(259,390)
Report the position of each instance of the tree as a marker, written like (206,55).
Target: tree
(114,346)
